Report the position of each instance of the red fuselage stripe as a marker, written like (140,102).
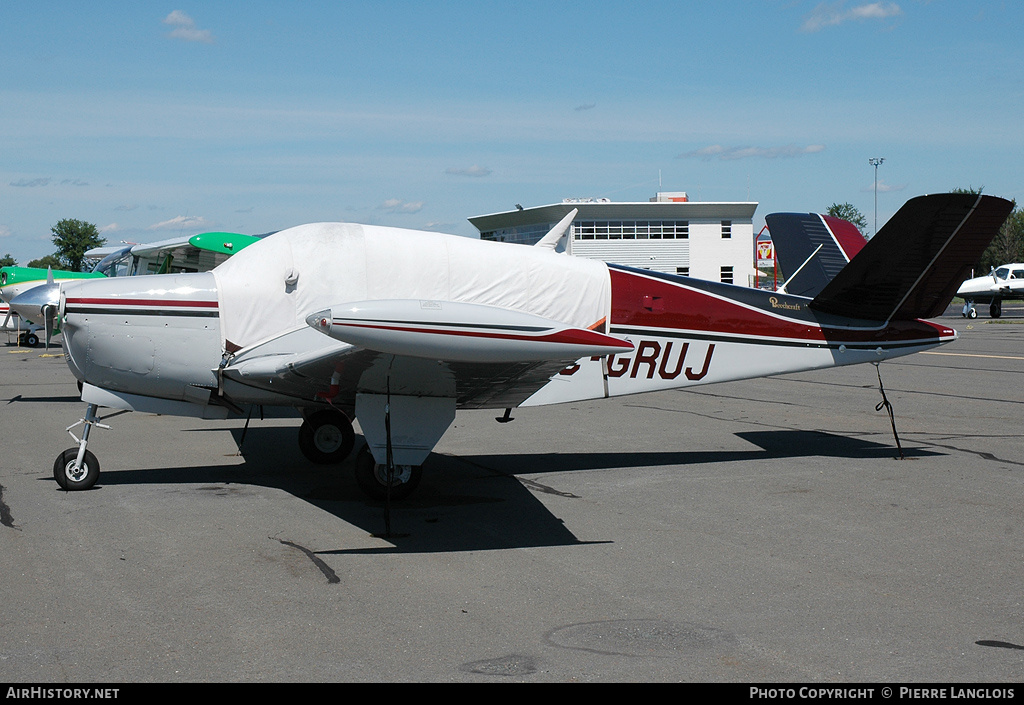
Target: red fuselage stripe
(148,303)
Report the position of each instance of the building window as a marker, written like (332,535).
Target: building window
(726,229)
(727,275)
(632,230)
(684,271)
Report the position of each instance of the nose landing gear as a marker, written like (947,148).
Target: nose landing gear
(77,468)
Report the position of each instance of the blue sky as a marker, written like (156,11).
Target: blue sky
(153,120)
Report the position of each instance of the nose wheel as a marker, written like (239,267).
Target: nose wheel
(77,468)
(73,475)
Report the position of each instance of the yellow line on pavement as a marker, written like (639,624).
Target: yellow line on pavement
(994,357)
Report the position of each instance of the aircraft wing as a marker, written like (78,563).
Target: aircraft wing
(482,356)
(224,243)
(154,249)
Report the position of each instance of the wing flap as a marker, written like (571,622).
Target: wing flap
(306,367)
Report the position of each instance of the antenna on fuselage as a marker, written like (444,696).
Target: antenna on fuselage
(782,289)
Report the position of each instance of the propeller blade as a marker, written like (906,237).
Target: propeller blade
(48,314)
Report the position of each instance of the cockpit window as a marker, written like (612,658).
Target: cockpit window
(1018,274)
(1002,272)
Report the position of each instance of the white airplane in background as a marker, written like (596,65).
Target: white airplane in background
(15,281)
(1003,284)
(398,329)
(38,290)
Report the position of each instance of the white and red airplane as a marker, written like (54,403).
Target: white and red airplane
(398,329)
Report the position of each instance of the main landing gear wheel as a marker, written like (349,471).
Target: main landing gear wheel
(372,477)
(326,437)
(31,340)
(74,479)
(996,309)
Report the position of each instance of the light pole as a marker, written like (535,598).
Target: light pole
(875,161)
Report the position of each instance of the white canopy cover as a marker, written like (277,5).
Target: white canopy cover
(269,288)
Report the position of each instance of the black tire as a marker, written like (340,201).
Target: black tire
(973,313)
(31,340)
(326,437)
(996,309)
(71,481)
(372,477)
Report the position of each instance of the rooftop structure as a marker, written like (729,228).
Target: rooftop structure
(669,233)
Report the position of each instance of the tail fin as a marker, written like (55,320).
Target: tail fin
(812,249)
(912,267)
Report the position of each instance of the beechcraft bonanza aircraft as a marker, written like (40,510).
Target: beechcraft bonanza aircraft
(398,329)
(1003,284)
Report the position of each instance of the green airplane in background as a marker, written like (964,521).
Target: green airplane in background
(39,288)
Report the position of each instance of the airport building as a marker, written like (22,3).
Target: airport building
(669,233)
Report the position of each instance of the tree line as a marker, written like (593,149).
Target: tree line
(73,239)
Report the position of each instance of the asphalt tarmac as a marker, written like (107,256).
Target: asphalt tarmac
(757,532)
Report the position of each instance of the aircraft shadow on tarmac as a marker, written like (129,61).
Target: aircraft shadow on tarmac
(469,503)
(18,399)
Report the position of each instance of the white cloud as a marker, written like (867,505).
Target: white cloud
(882,187)
(475,171)
(180,222)
(32,183)
(185,28)
(395,205)
(5,231)
(831,14)
(112,228)
(717,151)
(440,227)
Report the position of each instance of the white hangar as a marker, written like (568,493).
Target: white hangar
(669,233)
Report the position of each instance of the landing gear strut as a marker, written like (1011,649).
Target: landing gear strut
(77,468)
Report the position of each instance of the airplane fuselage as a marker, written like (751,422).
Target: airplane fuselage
(156,336)
(161,336)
